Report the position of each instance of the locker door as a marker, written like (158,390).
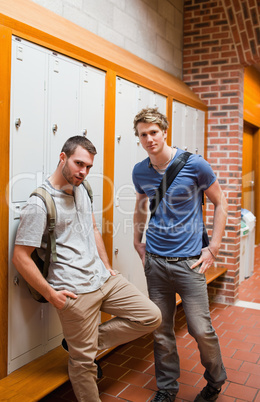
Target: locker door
(27,123)
(28,77)
(62,105)
(200,131)
(190,129)
(91,124)
(147,98)
(178,125)
(160,102)
(125,258)
(63,122)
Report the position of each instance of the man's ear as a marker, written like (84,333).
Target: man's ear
(63,157)
(165,134)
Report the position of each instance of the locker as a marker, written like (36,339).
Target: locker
(27,124)
(130,100)
(52,98)
(200,131)
(178,125)
(190,129)
(91,124)
(25,338)
(63,88)
(188,125)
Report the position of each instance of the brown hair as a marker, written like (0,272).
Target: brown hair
(151,115)
(73,142)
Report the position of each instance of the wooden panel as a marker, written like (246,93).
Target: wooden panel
(257,184)
(252,96)
(109,145)
(5,79)
(248,173)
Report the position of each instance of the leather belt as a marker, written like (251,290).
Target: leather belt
(174,259)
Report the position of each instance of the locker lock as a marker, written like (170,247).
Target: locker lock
(116,251)
(18,122)
(118,138)
(54,128)
(84,132)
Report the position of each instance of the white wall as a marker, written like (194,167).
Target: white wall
(150,29)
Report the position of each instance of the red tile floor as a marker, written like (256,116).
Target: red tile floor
(128,371)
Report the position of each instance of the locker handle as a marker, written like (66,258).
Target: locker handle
(54,128)
(18,122)
(16,281)
(118,138)
(84,132)
(116,251)
(196,150)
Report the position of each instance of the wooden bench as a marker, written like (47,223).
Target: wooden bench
(43,375)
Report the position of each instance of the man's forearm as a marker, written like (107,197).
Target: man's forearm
(219,223)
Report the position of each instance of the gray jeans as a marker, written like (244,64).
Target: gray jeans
(164,279)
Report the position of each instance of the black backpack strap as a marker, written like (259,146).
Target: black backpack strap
(51,222)
(167,179)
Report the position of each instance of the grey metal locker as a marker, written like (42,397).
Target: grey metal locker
(178,124)
(63,106)
(200,132)
(91,124)
(50,102)
(29,64)
(188,128)
(27,124)
(130,99)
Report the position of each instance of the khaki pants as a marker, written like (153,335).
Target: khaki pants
(135,315)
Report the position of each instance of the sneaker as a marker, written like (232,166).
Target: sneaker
(99,369)
(208,393)
(163,396)
(64,344)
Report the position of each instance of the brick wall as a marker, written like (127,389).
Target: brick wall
(212,69)
(219,39)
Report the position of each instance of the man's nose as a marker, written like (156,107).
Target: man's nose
(84,170)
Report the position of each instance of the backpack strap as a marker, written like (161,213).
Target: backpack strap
(167,180)
(51,222)
(89,190)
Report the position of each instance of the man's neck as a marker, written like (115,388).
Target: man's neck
(163,158)
(60,183)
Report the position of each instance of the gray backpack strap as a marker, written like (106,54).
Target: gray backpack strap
(89,189)
(51,222)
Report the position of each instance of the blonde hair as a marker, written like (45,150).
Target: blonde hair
(151,115)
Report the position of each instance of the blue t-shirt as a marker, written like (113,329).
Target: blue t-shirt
(177,226)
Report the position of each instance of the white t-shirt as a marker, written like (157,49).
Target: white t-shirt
(79,268)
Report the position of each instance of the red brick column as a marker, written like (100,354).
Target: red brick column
(212,69)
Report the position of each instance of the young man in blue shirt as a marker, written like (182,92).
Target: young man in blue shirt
(173,256)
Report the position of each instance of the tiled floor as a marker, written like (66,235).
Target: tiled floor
(128,372)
